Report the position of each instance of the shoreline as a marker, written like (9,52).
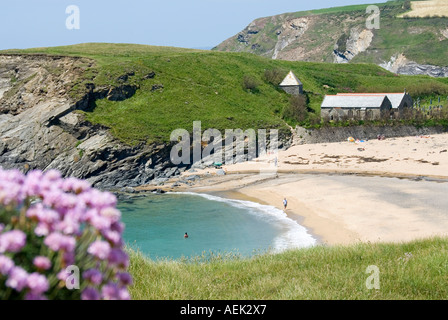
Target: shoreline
(291,214)
(321,229)
(386,191)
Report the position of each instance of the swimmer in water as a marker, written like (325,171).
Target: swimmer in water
(186,235)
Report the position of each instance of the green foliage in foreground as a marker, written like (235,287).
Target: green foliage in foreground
(194,85)
(408,271)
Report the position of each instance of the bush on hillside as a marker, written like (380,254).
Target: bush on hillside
(250,83)
(297,109)
(275,76)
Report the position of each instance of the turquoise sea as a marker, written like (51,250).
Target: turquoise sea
(156,225)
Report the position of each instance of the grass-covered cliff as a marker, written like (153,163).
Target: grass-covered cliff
(172,87)
(416,270)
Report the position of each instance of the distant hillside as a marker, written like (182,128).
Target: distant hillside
(339,35)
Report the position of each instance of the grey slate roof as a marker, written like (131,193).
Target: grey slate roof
(395,98)
(354,101)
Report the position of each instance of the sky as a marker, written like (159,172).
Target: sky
(178,23)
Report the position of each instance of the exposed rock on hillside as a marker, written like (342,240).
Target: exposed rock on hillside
(400,64)
(290,31)
(341,35)
(40,127)
(358,41)
(444,34)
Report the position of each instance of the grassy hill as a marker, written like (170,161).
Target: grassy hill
(319,32)
(410,271)
(192,85)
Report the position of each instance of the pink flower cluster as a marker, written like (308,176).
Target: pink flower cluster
(69,223)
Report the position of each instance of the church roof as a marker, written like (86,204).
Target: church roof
(290,80)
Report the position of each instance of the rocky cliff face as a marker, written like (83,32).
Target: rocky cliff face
(342,36)
(401,65)
(40,127)
(358,41)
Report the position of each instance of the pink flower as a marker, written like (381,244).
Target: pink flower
(11,193)
(113,237)
(98,222)
(61,211)
(57,241)
(34,296)
(6,264)
(42,263)
(118,258)
(76,185)
(97,199)
(117,226)
(90,294)
(37,283)
(68,226)
(63,275)
(124,278)
(52,175)
(42,229)
(12,241)
(17,278)
(13,175)
(68,258)
(93,276)
(110,291)
(123,294)
(99,249)
(32,183)
(52,198)
(112,214)
(39,213)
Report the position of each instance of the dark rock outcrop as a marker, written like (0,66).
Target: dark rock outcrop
(39,128)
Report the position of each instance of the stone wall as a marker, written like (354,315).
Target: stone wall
(339,134)
(293,90)
(341,114)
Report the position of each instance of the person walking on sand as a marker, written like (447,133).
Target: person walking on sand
(285,203)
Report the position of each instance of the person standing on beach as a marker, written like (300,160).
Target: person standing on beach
(285,203)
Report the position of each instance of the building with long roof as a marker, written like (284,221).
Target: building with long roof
(365,106)
(339,107)
(400,101)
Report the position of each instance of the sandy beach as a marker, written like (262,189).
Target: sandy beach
(391,190)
